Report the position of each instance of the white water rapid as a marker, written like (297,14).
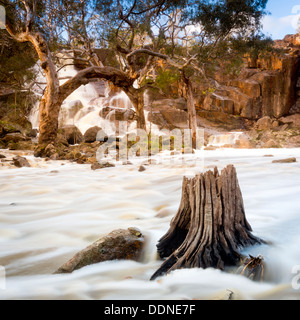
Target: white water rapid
(51,211)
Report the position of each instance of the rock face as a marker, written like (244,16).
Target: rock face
(267,86)
(118,245)
(169,113)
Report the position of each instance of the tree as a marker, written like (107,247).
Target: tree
(27,23)
(140,32)
(200,35)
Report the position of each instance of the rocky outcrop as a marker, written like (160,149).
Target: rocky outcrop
(169,113)
(118,245)
(267,86)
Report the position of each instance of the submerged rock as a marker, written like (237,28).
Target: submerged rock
(20,162)
(289,160)
(142,168)
(117,245)
(97,165)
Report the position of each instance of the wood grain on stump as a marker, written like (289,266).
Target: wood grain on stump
(210,226)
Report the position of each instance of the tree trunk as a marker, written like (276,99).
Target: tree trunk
(210,226)
(191,110)
(136,96)
(48,119)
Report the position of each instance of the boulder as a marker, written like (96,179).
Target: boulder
(163,104)
(7,127)
(289,160)
(121,115)
(20,162)
(97,165)
(118,245)
(264,123)
(72,134)
(90,135)
(294,120)
(271,144)
(117,114)
(14,137)
(244,142)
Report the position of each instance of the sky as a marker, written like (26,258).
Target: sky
(283,18)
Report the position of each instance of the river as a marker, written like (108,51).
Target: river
(55,209)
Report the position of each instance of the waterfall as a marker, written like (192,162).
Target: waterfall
(83,107)
(224,139)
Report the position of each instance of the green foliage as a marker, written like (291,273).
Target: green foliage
(166,78)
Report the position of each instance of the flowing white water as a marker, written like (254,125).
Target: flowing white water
(83,106)
(49,212)
(220,140)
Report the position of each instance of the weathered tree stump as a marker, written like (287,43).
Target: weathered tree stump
(210,226)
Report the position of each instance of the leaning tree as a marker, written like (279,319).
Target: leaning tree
(38,22)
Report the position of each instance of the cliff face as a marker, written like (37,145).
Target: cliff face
(267,86)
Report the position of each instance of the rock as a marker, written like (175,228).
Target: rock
(264,123)
(295,141)
(210,148)
(294,119)
(169,118)
(72,134)
(6,127)
(118,245)
(90,135)
(142,168)
(15,138)
(33,133)
(97,165)
(166,104)
(20,162)
(289,160)
(270,144)
(2,156)
(244,142)
(119,114)
(267,87)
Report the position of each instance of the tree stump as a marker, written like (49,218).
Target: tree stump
(210,226)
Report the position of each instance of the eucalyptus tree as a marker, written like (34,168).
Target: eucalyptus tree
(42,24)
(140,33)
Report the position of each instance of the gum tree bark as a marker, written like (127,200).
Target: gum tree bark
(210,226)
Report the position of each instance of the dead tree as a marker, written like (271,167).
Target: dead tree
(210,226)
